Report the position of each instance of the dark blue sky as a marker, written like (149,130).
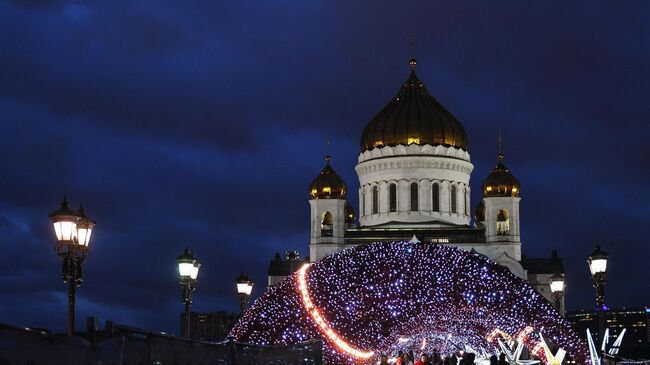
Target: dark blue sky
(201,123)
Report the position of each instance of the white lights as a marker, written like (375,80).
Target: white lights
(597,266)
(188,266)
(244,288)
(65,230)
(557,283)
(388,296)
(244,285)
(194,271)
(322,324)
(598,261)
(71,227)
(185,269)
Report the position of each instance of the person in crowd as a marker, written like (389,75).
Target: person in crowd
(423,360)
(407,359)
(447,360)
(502,359)
(454,358)
(468,359)
(494,360)
(399,359)
(383,360)
(437,360)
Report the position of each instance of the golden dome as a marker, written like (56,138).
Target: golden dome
(501,182)
(413,116)
(328,184)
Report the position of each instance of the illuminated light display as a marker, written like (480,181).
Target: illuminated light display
(521,337)
(325,328)
(374,296)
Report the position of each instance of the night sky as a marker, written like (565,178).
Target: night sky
(201,123)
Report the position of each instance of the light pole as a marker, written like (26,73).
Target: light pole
(73,230)
(188,272)
(244,290)
(557,288)
(598,266)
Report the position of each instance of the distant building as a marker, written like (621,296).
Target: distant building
(279,268)
(635,320)
(540,271)
(213,327)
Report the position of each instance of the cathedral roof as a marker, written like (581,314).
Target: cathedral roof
(501,182)
(413,116)
(328,184)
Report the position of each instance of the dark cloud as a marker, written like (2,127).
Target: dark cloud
(202,124)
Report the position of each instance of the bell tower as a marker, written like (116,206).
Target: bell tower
(329,210)
(501,208)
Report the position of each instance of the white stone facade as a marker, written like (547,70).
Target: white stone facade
(321,243)
(447,167)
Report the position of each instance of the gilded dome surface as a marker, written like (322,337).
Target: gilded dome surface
(413,116)
(328,184)
(501,182)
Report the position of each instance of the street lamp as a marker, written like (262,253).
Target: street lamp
(557,289)
(188,272)
(73,230)
(598,266)
(244,290)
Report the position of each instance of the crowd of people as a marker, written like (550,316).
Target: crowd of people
(458,358)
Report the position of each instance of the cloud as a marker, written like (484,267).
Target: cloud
(203,123)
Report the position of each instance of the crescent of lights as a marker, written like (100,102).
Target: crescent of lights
(322,324)
(378,298)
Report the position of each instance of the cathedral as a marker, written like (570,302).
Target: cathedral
(414,171)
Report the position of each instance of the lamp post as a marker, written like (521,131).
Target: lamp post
(188,272)
(557,289)
(598,266)
(73,230)
(244,290)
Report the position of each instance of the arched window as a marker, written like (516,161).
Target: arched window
(363,202)
(326,225)
(435,197)
(465,201)
(503,222)
(414,197)
(392,199)
(375,200)
(454,197)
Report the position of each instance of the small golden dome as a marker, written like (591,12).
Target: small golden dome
(501,182)
(328,184)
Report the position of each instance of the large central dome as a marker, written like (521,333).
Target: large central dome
(413,116)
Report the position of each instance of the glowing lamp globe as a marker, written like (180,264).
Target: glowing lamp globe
(598,261)
(244,284)
(195,270)
(65,223)
(186,263)
(85,227)
(557,283)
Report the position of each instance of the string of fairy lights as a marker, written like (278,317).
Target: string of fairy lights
(389,296)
